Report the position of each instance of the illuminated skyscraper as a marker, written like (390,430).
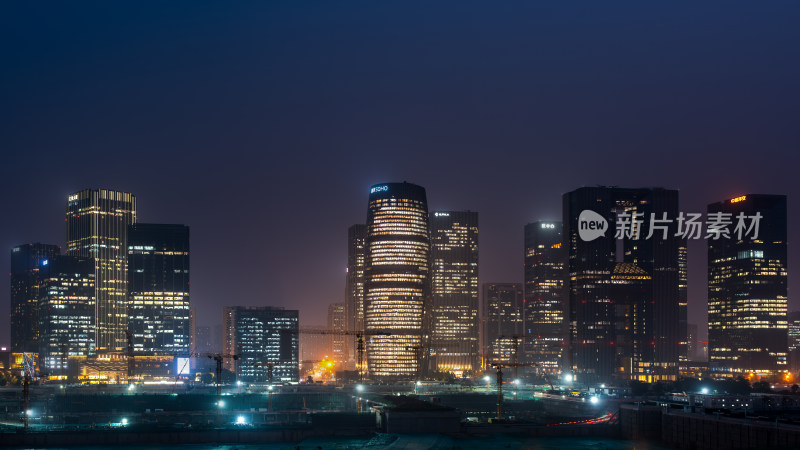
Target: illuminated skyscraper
(794,341)
(336,321)
(27,262)
(97,227)
(684,354)
(794,330)
(545,294)
(747,292)
(158,273)
(266,352)
(504,325)
(630,294)
(454,280)
(354,289)
(397,279)
(66,314)
(593,317)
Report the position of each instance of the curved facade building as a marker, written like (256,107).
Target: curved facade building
(396,279)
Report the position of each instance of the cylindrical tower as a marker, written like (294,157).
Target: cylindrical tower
(396,281)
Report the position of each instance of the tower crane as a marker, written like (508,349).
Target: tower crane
(515,362)
(499,366)
(359,334)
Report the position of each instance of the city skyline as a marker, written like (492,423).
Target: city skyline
(321,103)
(321,314)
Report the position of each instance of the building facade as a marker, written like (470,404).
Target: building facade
(66,315)
(545,295)
(794,341)
(354,289)
(265,340)
(593,353)
(630,292)
(27,262)
(454,286)
(97,228)
(159,312)
(504,328)
(337,322)
(397,280)
(683,303)
(747,289)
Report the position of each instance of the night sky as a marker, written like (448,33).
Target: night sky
(262,124)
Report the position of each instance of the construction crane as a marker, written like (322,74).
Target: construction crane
(129,354)
(218,358)
(516,338)
(357,333)
(499,366)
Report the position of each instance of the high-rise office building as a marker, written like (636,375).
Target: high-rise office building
(794,330)
(354,289)
(503,314)
(454,287)
(593,317)
(192,329)
(66,315)
(545,294)
(630,294)
(159,314)
(337,322)
(266,340)
(97,227)
(397,279)
(794,341)
(27,262)
(683,303)
(747,287)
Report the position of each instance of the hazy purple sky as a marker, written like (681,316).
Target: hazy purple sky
(262,124)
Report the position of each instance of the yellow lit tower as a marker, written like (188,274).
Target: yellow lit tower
(396,280)
(97,227)
(454,289)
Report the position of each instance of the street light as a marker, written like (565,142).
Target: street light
(124,421)
(221,403)
(704,391)
(359,388)
(240,420)
(594,400)
(568,378)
